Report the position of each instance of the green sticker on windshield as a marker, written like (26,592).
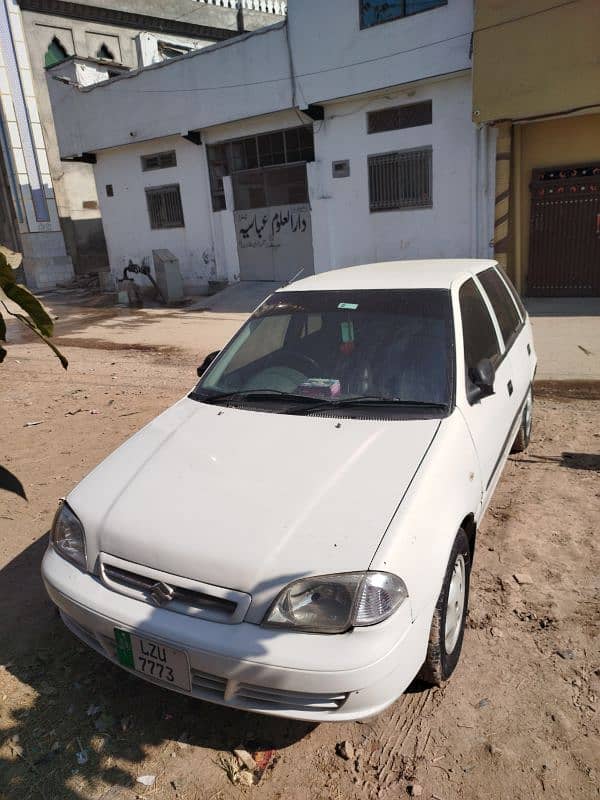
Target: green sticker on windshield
(347,330)
(348,306)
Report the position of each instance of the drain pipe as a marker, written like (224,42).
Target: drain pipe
(482,193)
(485,190)
(475,189)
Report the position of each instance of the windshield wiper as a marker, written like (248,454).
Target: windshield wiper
(256,394)
(371,401)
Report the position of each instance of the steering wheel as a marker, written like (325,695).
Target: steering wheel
(300,358)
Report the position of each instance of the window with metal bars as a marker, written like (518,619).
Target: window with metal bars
(273,186)
(399,117)
(164,206)
(291,146)
(400,180)
(159,160)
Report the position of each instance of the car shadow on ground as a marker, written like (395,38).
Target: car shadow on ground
(583,461)
(77,721)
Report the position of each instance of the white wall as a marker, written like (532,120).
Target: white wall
(334,58)
(250,75)
(242,77)
(125,215)
(345,232)
(207,245)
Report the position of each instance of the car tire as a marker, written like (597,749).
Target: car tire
(448,624)
(523,436)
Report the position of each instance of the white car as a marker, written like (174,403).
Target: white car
(295,536)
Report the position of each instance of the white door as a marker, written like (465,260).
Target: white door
(515,330)
(274,243)
(491,419)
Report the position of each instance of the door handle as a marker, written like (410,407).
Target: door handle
(509,386)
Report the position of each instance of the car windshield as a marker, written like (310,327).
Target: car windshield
(339,347)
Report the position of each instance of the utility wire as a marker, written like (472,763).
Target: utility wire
(331,69)
(308,74)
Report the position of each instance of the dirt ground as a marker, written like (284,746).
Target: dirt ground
(519,719)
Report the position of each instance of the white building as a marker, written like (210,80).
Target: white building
(341,136)
(49,209)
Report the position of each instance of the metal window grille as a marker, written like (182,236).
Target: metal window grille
(164,206)
(290,146)
(400,180)
(399,117)
(159,160)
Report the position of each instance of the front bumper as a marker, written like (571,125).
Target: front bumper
(283,673)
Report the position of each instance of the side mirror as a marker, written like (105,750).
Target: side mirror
(482,379)
(207,362)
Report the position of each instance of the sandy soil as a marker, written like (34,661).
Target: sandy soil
(518,719)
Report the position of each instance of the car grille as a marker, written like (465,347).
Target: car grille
(278,699)
(185,596)
(262,698)
(173,596)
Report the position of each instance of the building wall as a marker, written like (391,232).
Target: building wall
(74,185)
(232,80)
(45,259)
(206,247)
(346,232)
(336,58)
(534,57)
(73,222)
(126,221)
(331,57)
(549,143)
(242,87)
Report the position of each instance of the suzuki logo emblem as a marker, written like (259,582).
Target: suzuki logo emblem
(161,593)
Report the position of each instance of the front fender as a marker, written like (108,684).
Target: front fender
(446,489)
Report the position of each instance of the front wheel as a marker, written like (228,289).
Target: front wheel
(448,624)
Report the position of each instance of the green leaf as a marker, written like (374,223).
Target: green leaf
(22,318)
(7,277)
(2,329)
(32,306)
(10,482)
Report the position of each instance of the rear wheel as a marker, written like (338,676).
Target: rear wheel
(448,624)
(523,436)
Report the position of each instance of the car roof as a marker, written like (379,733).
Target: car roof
(432,273)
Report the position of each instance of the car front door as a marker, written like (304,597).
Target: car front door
(491,419)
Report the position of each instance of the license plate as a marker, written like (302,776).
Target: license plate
(153,659)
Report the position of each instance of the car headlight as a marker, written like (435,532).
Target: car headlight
(67,536)
(336,603)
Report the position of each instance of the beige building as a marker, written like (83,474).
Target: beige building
(536,80)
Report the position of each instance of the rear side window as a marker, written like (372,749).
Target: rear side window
(514,294)
(479,334)
(504,306)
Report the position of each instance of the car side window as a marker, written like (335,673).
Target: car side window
(479,333)
(513,292)
(504,307)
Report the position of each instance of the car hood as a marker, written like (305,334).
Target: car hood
(250,500)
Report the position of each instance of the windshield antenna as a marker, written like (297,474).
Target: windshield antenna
(293,278)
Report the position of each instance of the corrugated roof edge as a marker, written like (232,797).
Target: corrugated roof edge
(192,54)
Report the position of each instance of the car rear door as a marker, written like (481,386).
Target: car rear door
(516,333)
(491,419)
